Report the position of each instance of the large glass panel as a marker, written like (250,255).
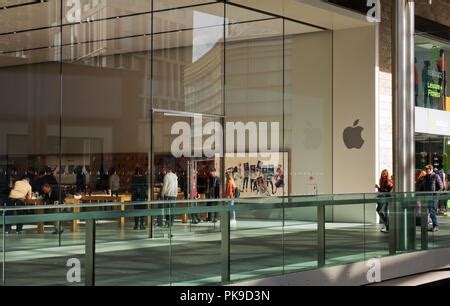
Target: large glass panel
(146,258)
(106,121)
(254,103)
(441,238)
(187,101)
(256,239)
(188,60)
(300,235)
(254,121)
(433,150)
(345,234)
(29,104)
(188,231)
(30,119)
(35,258)
(196,248)
(377,241)
(436,212)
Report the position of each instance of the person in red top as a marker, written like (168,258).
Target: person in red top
(229,193)
(386,186)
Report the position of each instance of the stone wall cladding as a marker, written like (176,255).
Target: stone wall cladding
(438,11)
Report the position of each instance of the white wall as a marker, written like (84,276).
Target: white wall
(354,98)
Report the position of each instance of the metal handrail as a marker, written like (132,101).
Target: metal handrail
(304,200)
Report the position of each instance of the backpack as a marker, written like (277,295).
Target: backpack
(237,193)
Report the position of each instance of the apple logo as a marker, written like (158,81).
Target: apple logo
(312,137)
(353,136)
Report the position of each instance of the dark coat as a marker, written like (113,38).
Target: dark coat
(432,183)
(54,196)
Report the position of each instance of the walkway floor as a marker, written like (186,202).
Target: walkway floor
(128,257)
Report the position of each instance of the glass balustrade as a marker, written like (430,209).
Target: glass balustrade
(251,238)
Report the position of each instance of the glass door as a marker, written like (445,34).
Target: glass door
(190,145)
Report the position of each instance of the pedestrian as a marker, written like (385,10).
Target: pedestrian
(384,188)
(230,192)
(432,183)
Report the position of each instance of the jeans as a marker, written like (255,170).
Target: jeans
(13,203)
(432,209)
(382,210)
(169,218)
(253,185)
(233,212)
(269,181)
(139,220)
(212,216)
(245,184)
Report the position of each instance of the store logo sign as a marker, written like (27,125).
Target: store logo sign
(312,137)
(198,140)
(374,13)
(353,136)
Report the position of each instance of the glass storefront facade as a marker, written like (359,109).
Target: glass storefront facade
(433,150)
(433,104)
(431,73)
(89,88)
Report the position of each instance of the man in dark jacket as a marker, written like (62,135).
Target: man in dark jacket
(432,183)
(54,196)
(47,179)
(214,193)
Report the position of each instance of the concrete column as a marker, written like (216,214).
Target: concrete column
(403,224)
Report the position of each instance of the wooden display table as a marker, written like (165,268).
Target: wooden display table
(84,199)
(39,202)
(102,198)
(184,217)
(74,201)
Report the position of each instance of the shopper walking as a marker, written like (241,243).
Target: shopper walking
(169,190)
(229,192)
(432,183)
(139,191)
(384,188)
(214,193)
